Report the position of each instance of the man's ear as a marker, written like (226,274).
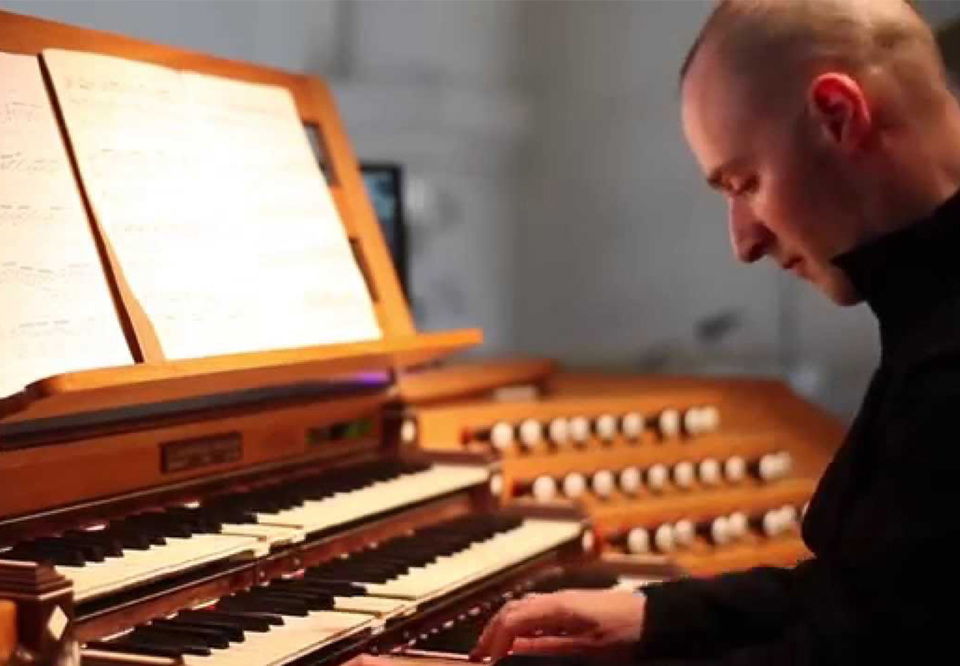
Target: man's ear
(838,104)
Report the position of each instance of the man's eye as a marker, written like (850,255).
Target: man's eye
(747,186)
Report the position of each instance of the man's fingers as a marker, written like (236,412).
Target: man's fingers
(528,617)
(551,645)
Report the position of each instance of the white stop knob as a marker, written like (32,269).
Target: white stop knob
(663,539)
(574,485)
(606,427)
(669,423)
(630,480)
(638,541)
(558,431)
(692,421)
(684,532)
(579,429)
(720,531)
(657,477)
(544,489)
(710,474)
(737,523)
(684,475)
(531,433)
(735,468)
(408,431)
(770,524)
(496,485)
(603,483)
(632,425)
(501,436)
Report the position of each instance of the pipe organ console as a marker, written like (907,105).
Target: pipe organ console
(712,472)
(251,504)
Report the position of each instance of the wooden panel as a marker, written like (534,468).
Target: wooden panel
(146,383)
(36,479)
(457,380)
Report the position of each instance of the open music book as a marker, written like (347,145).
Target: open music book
(207,191)
(56,312)
(215,205)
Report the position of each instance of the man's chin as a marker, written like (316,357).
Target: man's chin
(843,295)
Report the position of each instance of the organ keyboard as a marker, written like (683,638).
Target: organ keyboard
(155,544)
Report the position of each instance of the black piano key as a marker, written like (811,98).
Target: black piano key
(154,522)
(339,589)
(31,552)
(213,636)
(307,601)
(102,538)
(316,600)
(329,589)
(162,638)
(198,521)
(260,605)
(136,647)
(245,621)
(231,631)
(133,539)
(90,552)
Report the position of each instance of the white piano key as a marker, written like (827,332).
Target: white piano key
(297,637)
(317,515)
(273,535)
(140,566)
(505,549)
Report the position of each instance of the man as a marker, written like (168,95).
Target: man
(829,128)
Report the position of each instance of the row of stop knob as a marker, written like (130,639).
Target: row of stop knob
(561,431)
(720,531)
(684,475)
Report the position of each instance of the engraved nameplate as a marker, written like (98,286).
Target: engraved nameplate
(188,454)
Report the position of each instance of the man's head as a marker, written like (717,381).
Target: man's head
(824,122)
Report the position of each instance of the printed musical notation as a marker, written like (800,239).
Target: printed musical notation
(215,206)
(56,312)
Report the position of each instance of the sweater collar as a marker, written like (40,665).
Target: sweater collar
(904,275)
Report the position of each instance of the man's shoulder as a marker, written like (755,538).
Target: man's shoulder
(933,341)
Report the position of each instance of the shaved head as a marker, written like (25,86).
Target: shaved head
(777,45)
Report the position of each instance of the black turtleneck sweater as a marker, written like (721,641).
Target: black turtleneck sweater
(882,586)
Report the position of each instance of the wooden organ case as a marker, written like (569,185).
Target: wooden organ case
(714,473)
(250,507)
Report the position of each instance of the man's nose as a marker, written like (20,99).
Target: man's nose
(750,238)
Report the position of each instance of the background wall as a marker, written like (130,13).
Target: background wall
(552,199)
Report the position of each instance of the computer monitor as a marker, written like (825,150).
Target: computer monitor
(384,181)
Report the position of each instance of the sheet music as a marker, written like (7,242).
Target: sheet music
(216,208)
(56,312)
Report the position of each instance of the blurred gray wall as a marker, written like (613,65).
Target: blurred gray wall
(552,199)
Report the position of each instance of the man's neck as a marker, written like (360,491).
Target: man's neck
(924,171)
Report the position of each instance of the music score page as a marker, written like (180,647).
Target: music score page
(215,206)
(56,311)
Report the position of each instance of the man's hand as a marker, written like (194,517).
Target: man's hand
(573,621)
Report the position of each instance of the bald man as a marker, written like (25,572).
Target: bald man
(828,127)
